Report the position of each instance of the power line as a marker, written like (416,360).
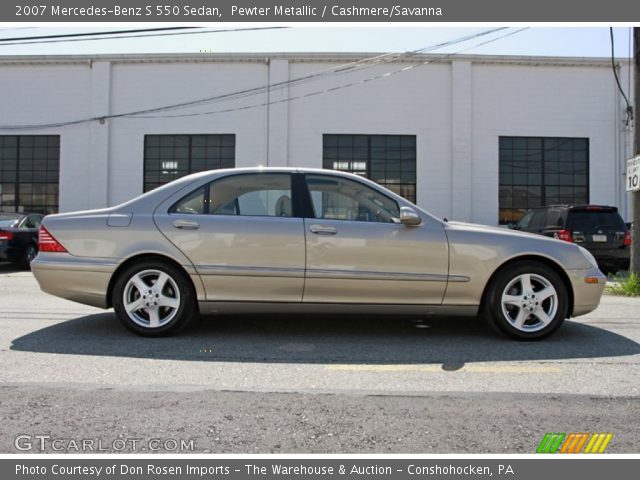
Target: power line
(339,70)
(346,68)
(332,89)
(89,34)
(160,34)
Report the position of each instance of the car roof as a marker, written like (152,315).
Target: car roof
(259,169)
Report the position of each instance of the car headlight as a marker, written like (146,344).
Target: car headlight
(587,254)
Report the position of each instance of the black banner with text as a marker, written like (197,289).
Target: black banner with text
(379,11)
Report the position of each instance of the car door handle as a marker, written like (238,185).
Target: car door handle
(322,230)
(186,224)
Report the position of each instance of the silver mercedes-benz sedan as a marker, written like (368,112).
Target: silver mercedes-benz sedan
(305,241)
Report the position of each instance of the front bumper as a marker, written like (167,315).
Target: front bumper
(588,286)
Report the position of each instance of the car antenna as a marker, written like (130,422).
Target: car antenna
(445,219)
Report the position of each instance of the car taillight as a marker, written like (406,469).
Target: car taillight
(627,238)
(6,235)
(565,235)
(47,242)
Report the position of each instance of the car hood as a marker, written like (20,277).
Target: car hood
(498,230)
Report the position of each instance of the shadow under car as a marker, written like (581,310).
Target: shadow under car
(334,339)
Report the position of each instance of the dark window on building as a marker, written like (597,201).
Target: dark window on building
(29,173)
(540,171)
(169,157)
(389,160)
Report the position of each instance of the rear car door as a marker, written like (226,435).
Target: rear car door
(241,234)
(357,252)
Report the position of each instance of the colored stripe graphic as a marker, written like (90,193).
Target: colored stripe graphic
(598,443)
(555,442)
(581,442)
(605,442)
(550,443)
(569,443)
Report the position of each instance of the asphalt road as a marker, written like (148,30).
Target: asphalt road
(251,384)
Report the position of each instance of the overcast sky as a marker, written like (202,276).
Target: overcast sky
(549,41)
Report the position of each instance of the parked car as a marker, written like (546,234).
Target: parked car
(598,228)
(19,237)
(305,241)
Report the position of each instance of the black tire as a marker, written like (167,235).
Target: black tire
(177,289)
(504,320)
(29,254)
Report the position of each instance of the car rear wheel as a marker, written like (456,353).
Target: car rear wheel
(527,301)
(154,298)
(27,257)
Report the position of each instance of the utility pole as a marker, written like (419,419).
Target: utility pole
(635,196)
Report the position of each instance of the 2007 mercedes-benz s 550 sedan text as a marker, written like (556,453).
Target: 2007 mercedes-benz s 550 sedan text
(305,241)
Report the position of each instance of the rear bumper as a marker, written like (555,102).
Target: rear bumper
(80,280)
(612,256)
(7,252)
(586,296)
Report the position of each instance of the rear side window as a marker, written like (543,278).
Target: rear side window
(584,220)
(191,204)
(538,220)
(526,220)
(555,218)
(261,195)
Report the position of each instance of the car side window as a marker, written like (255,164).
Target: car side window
(261,194)
(523,224)
(336,198)
(538,220)
(31,221)
(554,219)
(193,204)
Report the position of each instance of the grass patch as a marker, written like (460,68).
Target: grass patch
(628,286)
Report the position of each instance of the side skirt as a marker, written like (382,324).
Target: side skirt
(337,308)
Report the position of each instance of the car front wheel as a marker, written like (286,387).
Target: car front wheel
(154,299)
(527,301)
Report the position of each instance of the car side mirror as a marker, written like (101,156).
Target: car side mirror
(409,217)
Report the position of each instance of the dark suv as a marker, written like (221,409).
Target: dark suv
(599,229)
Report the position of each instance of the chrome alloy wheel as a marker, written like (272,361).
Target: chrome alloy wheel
(529,302)
(151,298)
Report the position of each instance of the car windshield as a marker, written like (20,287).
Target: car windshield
(8,220)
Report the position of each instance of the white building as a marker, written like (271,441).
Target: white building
(469,137)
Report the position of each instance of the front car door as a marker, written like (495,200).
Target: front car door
(240,233)
(357,252)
